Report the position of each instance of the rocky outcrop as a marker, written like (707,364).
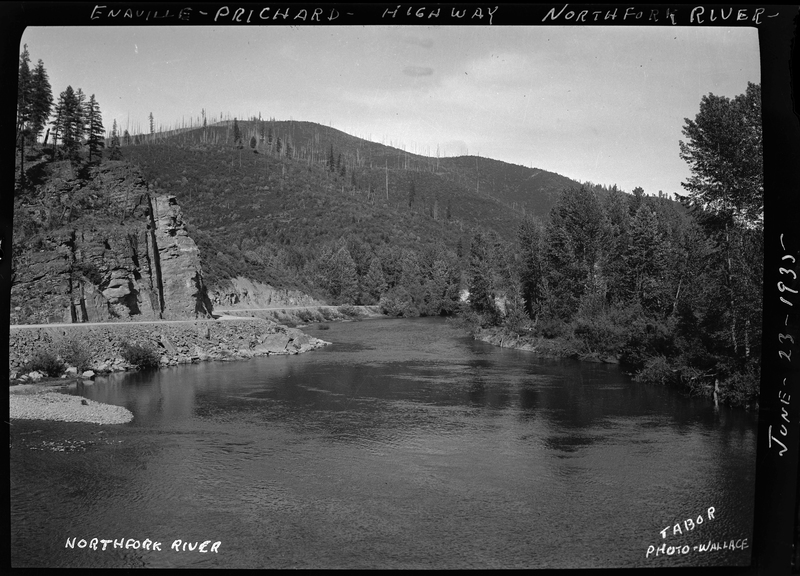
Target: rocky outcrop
(245,293)
(125,255)
(183,293)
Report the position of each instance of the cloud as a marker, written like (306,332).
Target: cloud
(417,71)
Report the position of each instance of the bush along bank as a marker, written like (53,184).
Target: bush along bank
(83,351)
(630,344)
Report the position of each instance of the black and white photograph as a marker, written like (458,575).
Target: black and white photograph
(292,287)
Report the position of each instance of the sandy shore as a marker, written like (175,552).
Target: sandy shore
(31,402)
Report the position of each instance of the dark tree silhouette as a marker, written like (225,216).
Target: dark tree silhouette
(95,130)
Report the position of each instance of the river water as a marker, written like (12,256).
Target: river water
(404,444)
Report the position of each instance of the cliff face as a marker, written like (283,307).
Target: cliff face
(116,252)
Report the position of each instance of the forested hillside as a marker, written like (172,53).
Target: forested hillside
(302,205)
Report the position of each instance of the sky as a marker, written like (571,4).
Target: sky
(599,104)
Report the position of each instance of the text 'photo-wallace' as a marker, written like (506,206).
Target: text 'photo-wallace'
(252,340)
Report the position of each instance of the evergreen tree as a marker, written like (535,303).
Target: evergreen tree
(342,277)
(573,240)
(114,153)
(374,281)
(42,100)
(69,123)
(531,267)
(644,260)
(24,108)
(152,124)
(95,130)
(80,123)
(253,142)
(331,161)
(126,138)
(24,92)
(481,284)
(412,193)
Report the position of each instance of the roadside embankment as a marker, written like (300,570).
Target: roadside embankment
(176,343)
(299,315)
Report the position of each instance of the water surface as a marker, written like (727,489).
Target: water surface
(405,444)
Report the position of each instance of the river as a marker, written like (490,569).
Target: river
(404,444)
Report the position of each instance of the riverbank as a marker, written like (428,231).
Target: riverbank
(174,343)
(550,347)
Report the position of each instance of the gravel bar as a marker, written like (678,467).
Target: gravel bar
(30,404)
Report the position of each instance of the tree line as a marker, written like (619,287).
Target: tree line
(670,289)
(77,123)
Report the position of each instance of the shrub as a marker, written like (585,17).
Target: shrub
(45,362)
(75,353)
(551,327)
(323,327)
(396,302)
(742,388)
(348,310)
(141,356)
(646,338)
(657,370)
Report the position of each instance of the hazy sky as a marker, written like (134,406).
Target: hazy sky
(602,104)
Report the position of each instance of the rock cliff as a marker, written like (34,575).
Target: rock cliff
(109,249)
(246,293)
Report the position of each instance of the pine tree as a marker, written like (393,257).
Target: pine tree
(79,120)
(24,92)
(42,100)
(68,124)
(481,281)
(126,137)
(95,130)
(114,153)
(24,108)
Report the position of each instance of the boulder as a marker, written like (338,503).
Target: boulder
(88,374)
(72,371)
(169,346)
(35,376)
(273,344)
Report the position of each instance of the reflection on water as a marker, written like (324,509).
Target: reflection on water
(402,445)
